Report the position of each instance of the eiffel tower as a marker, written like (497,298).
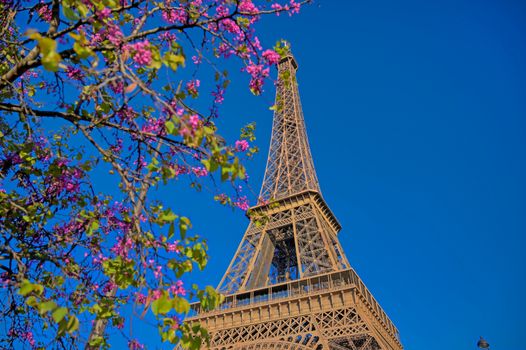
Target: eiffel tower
(289,285)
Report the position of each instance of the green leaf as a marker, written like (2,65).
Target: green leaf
(59,314)
(69,13)
(26,287)
(156,62)
(47,306)
(96,341)
(173,61)
(184,224)
(181,305)
(171,230)
(48,48)
(94,226)
(163,305)
(81,46)
(168,216)
(51,61)
(170,127)
(32,301)
(73,324)
(83,9)
(62,326)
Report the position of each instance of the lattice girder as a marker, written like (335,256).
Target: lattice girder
(336,308)
(290,168)
(300,229)
(289,285)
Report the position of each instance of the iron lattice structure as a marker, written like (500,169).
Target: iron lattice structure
(289,285)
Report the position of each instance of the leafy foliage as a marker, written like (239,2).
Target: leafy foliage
(83,97)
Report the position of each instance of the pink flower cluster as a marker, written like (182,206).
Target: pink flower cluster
(247,6)
(74,73)
(172,247)
(292,8)
(113,216)
(196,59)
(140,298)
(141,52)
(108,287)
(258,74)
(127,114)
(232,27)
(45,12)
(172,15)
(271,56)
(241,145)
(104,13)
(157,272)
(242,203)
(122,247)
(192,86)
(199,171)
(117,86)
(194,121)
(112,32)
(135,345)
(27,336)
(177,289)
(168,37)
(154,126)
(68,180)
(219,94)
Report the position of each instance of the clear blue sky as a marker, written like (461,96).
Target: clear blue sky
(416,113)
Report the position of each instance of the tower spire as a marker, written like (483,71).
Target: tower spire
(289,285)
(290,168)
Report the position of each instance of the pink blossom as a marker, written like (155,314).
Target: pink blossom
(74,73)
(222,11)
(154,126)
(157,273)
(168,37)
(194,121)
(114,34)
(192,86)
(258,73)
(241,145)
(242,203)
(117,86)
(109,287)
(28,336)
(219,94)
(122,247)
(177,288)
(294,7)
(248,7)
(135,345)
(140,298)
(171,15)
(181,170)
(156,294)
(45,12)
(104,13)
(199,171)
(141,52)
(196,59)
(232,27)
(271,56)
(126,113)
(172,247)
